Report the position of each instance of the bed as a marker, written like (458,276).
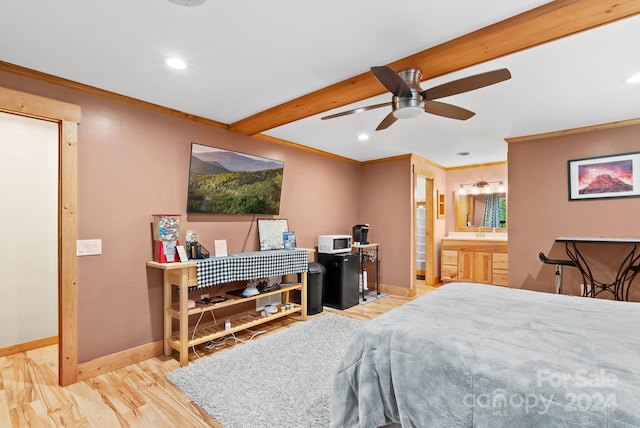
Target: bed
(474,355)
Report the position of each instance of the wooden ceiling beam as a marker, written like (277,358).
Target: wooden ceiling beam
(549,22)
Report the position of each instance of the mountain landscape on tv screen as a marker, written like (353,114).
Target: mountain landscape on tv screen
(233,161)
(225,182)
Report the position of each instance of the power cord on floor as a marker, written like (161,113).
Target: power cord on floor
(195,328)
(214,344)
(217,343)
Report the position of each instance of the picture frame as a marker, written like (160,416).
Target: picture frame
(270,233)
(289,239)
(227,182)
(182,253)
(220,247)
(614,176)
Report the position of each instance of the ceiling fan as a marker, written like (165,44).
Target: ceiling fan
(409,100)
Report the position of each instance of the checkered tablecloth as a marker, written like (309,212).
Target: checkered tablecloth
(255,265)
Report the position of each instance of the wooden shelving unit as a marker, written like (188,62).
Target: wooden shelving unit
(183,276)
(211,332)
(248,320)
(421,259)
(440,203)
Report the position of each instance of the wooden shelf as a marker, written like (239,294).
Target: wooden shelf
(183,276)
(215,331)
(440,204)
(174,311)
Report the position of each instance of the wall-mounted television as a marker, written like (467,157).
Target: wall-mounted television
(226,182)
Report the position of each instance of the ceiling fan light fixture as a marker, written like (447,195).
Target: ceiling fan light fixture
(408,112)
(409,100)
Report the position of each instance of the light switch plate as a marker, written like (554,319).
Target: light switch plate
(88,247)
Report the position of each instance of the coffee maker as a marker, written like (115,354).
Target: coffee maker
(360,232)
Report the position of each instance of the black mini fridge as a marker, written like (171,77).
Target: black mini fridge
(341,279)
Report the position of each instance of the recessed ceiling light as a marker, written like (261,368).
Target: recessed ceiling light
(363,137)
(176,63)
(633,79)
(188,3)
(463,153)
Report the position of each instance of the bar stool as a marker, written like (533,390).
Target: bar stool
(559,263)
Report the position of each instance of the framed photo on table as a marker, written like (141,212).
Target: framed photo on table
(615,176)
(270,233)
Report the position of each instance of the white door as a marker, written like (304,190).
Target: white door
(29,229)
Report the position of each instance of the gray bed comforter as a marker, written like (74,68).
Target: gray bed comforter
(472,355)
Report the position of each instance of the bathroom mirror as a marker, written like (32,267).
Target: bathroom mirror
(486,210)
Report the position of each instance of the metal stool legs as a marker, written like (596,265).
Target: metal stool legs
(559,263)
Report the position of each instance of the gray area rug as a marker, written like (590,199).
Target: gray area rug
(280,380)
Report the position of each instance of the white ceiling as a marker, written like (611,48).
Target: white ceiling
(246,57)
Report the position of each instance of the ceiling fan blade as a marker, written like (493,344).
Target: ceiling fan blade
(391,81)
(356,110)
(466,84)
(387,122)
(447,110)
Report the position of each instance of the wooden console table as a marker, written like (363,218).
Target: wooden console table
(184,276)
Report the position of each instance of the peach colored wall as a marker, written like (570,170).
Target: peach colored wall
(134,162)
(385,204)
(539,209)
(456,177)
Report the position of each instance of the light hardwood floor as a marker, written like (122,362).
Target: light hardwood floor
(136,396)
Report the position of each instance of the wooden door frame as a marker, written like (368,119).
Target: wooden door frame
(429,244)
(67,116)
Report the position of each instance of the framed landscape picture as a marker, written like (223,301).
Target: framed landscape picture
(613,176)
(227,182)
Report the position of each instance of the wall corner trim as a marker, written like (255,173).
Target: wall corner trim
(119,360)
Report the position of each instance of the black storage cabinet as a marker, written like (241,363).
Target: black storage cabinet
(315,287)
(341,281)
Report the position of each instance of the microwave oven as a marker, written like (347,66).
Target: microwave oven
(334,244)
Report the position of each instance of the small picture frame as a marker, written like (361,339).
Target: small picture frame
(220,247)
(270,233)
(289,240)
(615,176)
(182,253)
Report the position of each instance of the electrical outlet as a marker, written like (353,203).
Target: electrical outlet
(204,296)
(88,247)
